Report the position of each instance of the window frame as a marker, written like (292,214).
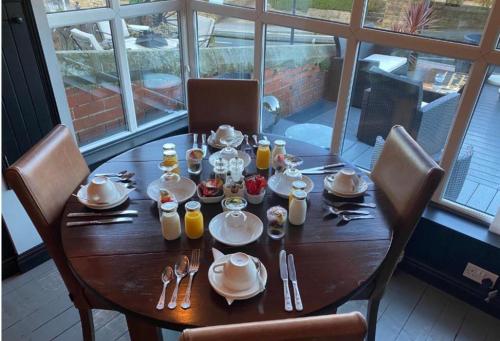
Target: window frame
(480,56)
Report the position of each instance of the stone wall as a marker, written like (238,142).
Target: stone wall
(293,74)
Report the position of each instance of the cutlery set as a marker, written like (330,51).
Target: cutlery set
(123,177)
(348,215)
(288,273)
(122,216)
(182,268)
(203,143)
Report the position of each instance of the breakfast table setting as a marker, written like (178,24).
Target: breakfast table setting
(216,228)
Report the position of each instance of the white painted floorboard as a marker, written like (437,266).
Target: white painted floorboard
(35,306)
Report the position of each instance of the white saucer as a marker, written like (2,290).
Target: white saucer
(242,155)
(360,190)
(273,184)
(216,283)
(254,226)
(122,196)
(216,144)
(183,189)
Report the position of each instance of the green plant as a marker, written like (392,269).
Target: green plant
(286,5)
(416,17)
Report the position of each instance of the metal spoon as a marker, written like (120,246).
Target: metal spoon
(167,276)
(337,212)
(256,140)
(119,174)
(346,219)
(181,270)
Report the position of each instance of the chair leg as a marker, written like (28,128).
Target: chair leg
(372,313)
(87,324)
(139,330)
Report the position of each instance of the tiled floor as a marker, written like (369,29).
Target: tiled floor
(35,306)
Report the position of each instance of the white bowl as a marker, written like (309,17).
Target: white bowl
(123,193)
(209,200)
(255,199)
(183,190)
(282,186)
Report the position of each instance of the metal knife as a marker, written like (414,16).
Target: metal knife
(293,278)
(102,214)
(195,140)
(320,168)
(284,277)
(204,144)
(101,221)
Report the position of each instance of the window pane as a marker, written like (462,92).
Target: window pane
(392,86)
(334,10)
(134,2)
(225,46)
(88,68)
(52,6)
(301,81)
(455,20)
(475,176)
(154,59)
(240,3)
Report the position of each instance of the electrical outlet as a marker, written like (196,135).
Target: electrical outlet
(478,274)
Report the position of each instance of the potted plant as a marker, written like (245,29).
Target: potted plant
(415,18)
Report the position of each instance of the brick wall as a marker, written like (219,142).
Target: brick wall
(98,111)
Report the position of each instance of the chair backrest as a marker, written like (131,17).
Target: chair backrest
(205,27)
(212,102)
(344,327)
(105,29)
(408,177)
(44,179)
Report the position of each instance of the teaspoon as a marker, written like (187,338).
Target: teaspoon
(167,276)
(181,270)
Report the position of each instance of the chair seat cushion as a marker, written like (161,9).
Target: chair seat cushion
(386,62)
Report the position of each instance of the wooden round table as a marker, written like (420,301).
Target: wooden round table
(122,263)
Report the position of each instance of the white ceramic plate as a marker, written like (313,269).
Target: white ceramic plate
(123,193)
(254,226)
(216,283)
(216,144)
(273,184)
(362,187)
(183,189)
(242,155)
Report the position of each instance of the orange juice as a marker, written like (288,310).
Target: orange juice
(193,220)
(263,158)
(170,159)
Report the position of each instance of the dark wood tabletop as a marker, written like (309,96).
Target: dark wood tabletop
(122,263)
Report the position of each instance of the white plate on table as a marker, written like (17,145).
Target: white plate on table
(238,139)
(360,189)
(284,190)
(242,155)
(215,280)
(253,229)
(183,189)
(122,196)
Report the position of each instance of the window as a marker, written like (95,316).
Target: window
(301,79)
(454,20)
(316,68)
(225,46)
(475,177)
(421,92)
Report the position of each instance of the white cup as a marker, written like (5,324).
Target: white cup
(346,181)
(235,228)
(239,272)
(224,131)
(101,190)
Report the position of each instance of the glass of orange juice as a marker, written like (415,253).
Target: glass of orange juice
(263,157)
(193,220)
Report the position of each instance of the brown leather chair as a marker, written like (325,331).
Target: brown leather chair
(408,177)
(342,327)
(212,102)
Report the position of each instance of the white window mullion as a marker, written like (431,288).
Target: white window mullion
(347,78)
(225,11)
(73,18)
(123,67)
(191,39)
(258,55)
(148,8)
(56,80)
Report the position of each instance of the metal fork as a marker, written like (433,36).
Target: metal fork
(194,265)
(338,212)
(348,203)
(346,218)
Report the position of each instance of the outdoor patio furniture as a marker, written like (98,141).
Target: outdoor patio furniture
(390,100)
(205,27)
(459,174)
(85,41)
(212,102)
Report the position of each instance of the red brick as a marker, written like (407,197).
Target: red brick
(88,109)
(113,102)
